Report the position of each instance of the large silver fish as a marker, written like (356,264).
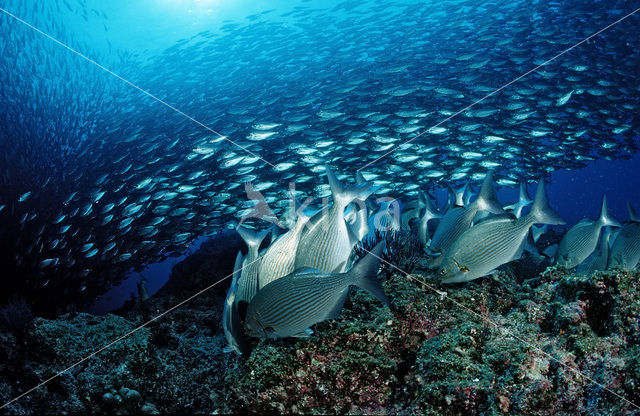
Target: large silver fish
(458,219)
(625,251)
(248,284)
(494,242)
(287,307)
(327,242)
(280,257)
(231,321)
(582,239)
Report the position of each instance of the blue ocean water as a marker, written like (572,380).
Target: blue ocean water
(135,138)
(102,178)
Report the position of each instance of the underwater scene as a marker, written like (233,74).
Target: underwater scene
(320,207)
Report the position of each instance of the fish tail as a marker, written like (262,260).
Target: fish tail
(430,211)
(365,273)
(344,195)
(524,197)
(605,217)
(252,238)
(541,211)
(487,199)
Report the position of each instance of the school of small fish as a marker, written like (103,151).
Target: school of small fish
(99,179)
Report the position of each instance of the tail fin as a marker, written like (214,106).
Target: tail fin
(341,195)
(274,230)
(252,239)
(537,231)
(487,199)
(551,251)
(523,200)
(365,273)
(458,195)
(605,217)
(633,216)
(291,214)
(541,212)
(470,194)
(430,213)
(430,210)
(524,197)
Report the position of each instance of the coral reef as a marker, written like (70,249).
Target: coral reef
(16,317)
(552,343)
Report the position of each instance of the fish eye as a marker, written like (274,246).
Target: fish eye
(443,272)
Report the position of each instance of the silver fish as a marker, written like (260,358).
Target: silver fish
(494,242)
(279,259)
(582,238)
(287,307)
(625,251)
(564,99)
(248,284)
(231,322)
(326,242)
(458,219)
